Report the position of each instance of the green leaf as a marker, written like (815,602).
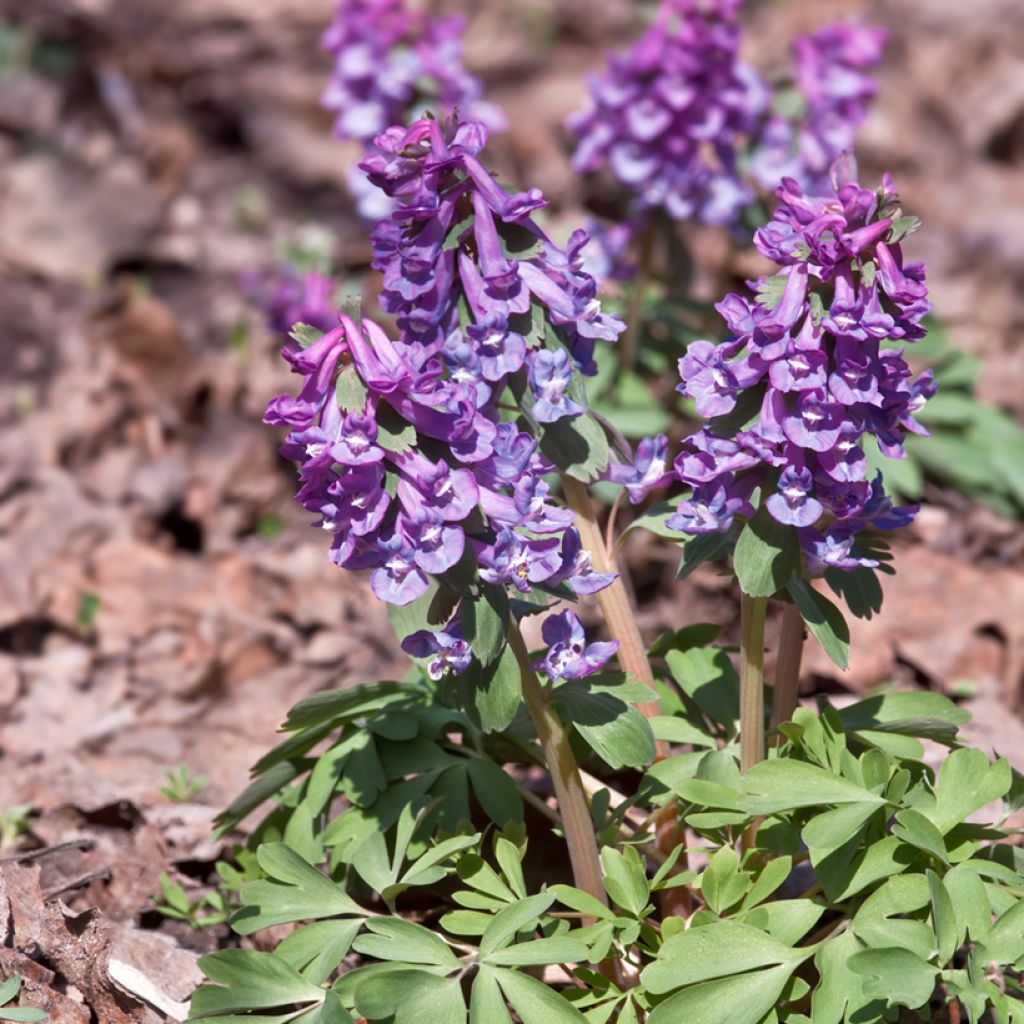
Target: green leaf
(767,555)
(742,999)
(919,713)
(784,784)
(271,781)
(317,949)
(249,980)
(824,620)
(848,870)
(345,704)
(708,677)
(305,335)
(970,900)
(787,920)
(859,588)
(393,433)
(578,446)
(881,919)
(967,781)
(393,938)
(296,892)
(723,885)
(561,949)
(914,828)
(625,879)
(614,730)
(654,520)
(535,1002)
(350,391)
(495,791)
(839,994)
(12,986)
(708,547)
(715,951)
(411,997)
(944,919)
(511,920)
(833,828)
(484,622)
(487,1004)
(580,901)
(900,977)
(491,694)
(22,1013)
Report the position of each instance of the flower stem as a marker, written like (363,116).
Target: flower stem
(629,343)
(614,600)
(752,615)
(787,671)
(565,776)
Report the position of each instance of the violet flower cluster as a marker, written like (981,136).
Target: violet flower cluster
(406,452)
(412,473)
(809,351)
(670,114)
(391,63)
(468,274)
(831,73)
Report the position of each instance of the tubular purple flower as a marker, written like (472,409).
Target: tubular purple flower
(448,651)
(550,377)
(569,656)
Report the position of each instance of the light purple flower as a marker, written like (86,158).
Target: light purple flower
(550,378)
(647,472)
(792,502)
(448,651)
(569,656)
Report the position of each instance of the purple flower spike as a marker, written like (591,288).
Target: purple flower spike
(810,347)
(669,116)
(831,73)
(550,377)
(569,655)
(447,650)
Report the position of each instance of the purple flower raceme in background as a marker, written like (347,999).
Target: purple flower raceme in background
(392,62)
(668,116)
(834,87)
(569,656)
(288,295)
(808,357)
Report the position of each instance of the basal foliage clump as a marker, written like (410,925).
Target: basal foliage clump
(596,831)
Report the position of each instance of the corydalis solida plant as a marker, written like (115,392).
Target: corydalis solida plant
(846,805)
